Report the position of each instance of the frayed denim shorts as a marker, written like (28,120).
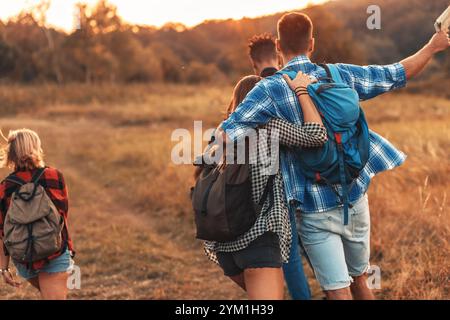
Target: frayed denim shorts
(337,252)
(63,263)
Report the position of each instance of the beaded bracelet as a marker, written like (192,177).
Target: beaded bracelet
(3,271)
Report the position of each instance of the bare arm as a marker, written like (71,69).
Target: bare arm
(299,86)
(310,113)
(416,63)
(7,276)
(4,259)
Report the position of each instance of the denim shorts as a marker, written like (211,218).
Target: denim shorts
(337,252)
(63,263)
(263,252)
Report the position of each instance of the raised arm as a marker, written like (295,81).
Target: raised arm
(373,80)
(416,63)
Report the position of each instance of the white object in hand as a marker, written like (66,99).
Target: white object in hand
(443,22)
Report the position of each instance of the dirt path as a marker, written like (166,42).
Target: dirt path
(120,254)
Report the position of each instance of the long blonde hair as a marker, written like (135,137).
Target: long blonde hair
(23,150)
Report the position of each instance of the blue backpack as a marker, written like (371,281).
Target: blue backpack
(341,159)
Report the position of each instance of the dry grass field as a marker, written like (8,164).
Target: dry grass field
(130,214)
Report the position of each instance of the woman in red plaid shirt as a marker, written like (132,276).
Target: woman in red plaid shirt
(23,154)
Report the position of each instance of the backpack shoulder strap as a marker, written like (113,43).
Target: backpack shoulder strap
(335,73)
(37,175)
(332,72)
(16,180)
(291,73)
(26,196)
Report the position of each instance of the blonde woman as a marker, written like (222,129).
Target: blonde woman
(23,154)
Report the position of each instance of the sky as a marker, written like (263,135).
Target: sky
(158,12)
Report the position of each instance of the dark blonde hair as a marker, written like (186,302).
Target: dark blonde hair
(22,151)
(243,87)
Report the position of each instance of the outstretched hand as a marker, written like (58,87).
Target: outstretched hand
(440,41)
(301,80)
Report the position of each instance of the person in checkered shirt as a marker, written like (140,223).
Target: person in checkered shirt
(23,153)
(338,254)
(266,62)
(254,259)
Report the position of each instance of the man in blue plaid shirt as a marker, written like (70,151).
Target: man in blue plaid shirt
(339,254)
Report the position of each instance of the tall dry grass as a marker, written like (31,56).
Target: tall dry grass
(410,205)
(126,141)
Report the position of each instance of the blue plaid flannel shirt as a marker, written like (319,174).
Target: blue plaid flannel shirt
(272,98)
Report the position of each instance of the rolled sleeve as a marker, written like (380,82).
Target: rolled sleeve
(399,74)
(373,80)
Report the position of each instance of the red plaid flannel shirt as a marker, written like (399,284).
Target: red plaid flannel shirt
(53,182)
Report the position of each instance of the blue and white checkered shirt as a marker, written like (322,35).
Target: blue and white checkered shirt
(272,98)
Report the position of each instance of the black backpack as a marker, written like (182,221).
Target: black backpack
(223,204)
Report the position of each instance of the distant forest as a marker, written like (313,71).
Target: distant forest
(106,49)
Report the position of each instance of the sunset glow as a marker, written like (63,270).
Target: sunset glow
(159,12)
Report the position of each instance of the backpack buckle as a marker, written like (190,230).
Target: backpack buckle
(318,177)
(338,138)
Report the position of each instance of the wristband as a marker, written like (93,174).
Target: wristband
(300,87)
(6,270)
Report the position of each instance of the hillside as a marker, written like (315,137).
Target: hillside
(105,49)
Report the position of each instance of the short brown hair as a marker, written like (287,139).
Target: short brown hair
(262,47)
(294,32)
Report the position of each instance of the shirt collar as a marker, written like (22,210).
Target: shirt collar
(300,62)
(267,72)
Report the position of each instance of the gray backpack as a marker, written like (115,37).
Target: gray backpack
(33,225)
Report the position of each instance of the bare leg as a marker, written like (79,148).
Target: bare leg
(53,285)
(339,294)
(360,290)
(264,283)
(34,282)
(239,280)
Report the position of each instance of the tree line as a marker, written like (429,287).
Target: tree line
(104,48)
